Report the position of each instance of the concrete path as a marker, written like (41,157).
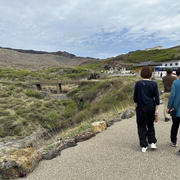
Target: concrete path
(115,155)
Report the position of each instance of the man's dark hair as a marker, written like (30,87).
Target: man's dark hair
(146,72)
(169,70)
(178,72)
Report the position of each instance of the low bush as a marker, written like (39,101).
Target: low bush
(51,120)
(76,73)
(33,93)
(70,108)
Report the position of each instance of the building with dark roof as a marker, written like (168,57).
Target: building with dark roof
(147,63)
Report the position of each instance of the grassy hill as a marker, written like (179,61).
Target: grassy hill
(25,110)
(144,55)
(130,59)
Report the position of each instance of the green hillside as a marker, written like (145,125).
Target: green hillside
(25,110)
(143,55)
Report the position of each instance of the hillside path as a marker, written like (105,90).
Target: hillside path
(115,155)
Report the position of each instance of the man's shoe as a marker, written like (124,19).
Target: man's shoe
(144,149)
(153,146)
(167,119)
(173,144)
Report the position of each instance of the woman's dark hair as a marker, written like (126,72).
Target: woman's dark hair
(146,72)
(178,72)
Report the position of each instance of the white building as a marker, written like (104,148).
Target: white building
(172,64)
(161,70)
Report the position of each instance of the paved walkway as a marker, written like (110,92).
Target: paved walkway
(115,155)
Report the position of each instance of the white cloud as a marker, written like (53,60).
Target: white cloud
(87,27)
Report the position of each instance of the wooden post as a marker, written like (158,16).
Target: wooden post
(59,88)
(39,87)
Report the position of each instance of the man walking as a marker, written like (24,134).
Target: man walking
(167,81)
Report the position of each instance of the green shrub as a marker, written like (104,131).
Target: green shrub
(14,73)
(82,116)
(51,116)
(3,112)
(33,93)
(8,127)
(76,73)
(70,108)
(35,117)
(11,87)
(51,120)
(22,111)
(95,67)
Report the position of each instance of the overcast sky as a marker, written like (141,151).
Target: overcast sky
(96,28)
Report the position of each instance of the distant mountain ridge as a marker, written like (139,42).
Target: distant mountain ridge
(31,59)
(61,53)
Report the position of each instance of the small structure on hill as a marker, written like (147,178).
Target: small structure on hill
(154,48)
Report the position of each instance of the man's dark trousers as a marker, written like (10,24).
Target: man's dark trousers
(145,123)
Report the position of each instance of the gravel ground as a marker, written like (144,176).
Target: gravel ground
(115,155)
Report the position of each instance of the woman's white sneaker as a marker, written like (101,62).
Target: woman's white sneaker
(153,146)
(173,144)
(144,149)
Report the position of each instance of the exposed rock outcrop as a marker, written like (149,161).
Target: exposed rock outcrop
(97,127)
(57,148)
(84,136)
(19,163)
